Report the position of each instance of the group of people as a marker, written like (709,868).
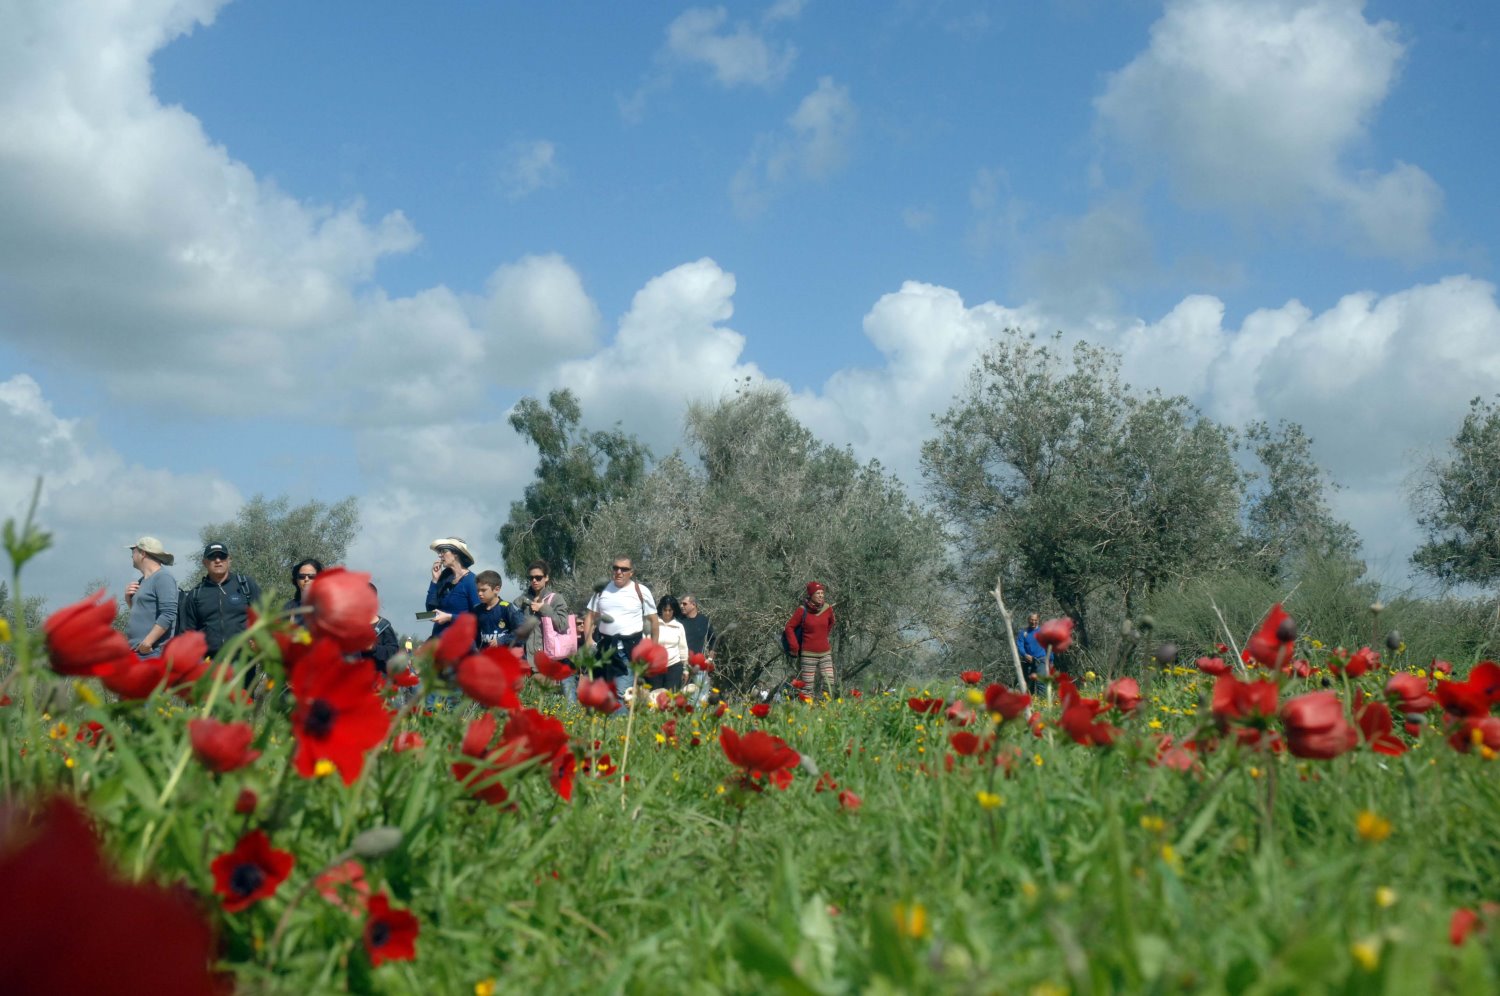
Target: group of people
(621,612)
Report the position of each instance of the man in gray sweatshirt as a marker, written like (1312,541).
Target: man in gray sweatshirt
(152,598)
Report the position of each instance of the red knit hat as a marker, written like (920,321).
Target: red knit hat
(813,586)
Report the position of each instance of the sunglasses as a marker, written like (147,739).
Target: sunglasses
(217,556)
(305,577)
(536,577)
(621,570)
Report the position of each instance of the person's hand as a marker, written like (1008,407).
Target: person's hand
(443,618)
(143,648)
(130,590)
(437,569)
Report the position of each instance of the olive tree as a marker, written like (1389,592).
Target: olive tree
(268,535)
(758,508)
(1458,503)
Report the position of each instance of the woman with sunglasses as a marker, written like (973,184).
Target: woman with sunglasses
(302,578)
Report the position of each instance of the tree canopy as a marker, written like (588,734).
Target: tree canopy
(1458,503)
(268,535)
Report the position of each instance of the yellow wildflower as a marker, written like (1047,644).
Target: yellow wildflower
(323,768)
(1372,826)
(975,696)
(68,762)
(1155,724)
(1029,889)
(1385,897)
(1089,676)
(58,732)
(989,800)
(1153,823)
(86,693)
(911,920)
(1036,759)
(1367,953)
(4,631)
(484,987)
(1170,857)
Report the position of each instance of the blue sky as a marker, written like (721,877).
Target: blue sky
(320,249)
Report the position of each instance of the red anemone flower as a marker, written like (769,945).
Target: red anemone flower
(456,642)
(971,677)
(1409,694)
(407,740)
(653,655)
(82,639)
(133,938)
(1272,639)
(1009,704)
(245,802)
(339,716)
(390,934)
(1078,720)
(344,607)
(597,694)
(528,735)
(701,662)
(1056,634)
(960,714)
(1461,924)
(759,754)
(222,747)
(1359,663)
(1124,694)
(924,706)
(1474,696)
(133,678)
(964,743)
(1374,719)
(849,801)
(1316,727)
(552,669)
(491,677)
(798,684)
(1213,665)
(1471,733)
(1248,707)
(250,872)
(760,710)
(485,785)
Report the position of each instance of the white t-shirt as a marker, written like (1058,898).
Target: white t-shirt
(673,636)
(628,608)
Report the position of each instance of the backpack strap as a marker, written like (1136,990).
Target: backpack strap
(641,598)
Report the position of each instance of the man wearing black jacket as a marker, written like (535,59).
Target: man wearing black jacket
(219,607)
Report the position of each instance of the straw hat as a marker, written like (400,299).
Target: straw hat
(459,547)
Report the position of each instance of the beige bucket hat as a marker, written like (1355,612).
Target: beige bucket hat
(152,547)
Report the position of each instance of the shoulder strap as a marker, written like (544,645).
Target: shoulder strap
(640,597)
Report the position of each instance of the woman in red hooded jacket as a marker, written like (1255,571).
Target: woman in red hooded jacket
(807,634)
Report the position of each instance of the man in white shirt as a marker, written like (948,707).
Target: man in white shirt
(617,617)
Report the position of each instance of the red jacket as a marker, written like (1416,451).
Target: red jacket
(807,632)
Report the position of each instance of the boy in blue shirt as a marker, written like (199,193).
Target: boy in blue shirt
(498,619)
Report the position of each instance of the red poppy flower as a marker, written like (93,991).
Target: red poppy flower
(849,801)
(186,657)
(344,607)
(338,716)
(964,743)
(250,872)
(971,677)
(82,639)
(1461,924)
(1124,694)
(245,802)
(390,934)
(1009,704)
(482,781)
(653,655)
(1247,706)
(798,684)
(1474,696)
(133,678)
(1078,720)
(1441,667)
(1471,733)
(757,752)
(924,706)
(406,679)
(1214,666)
(492,676)
(528,736)
(701,662)
(1174,756)
(1359,663)
(1272,639)
(407,740)
(959,714)
(222,747)
(132,938)
(89,733)
(721,710)
(1374,719)
(1316,727)
(597,694)
(760,710)
(1409,694)
(1056,634)
(351,875)
(456,642)
(554,670)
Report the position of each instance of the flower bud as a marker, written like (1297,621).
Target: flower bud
(1393,640)
(1377,607)
(245,802)
(1145,624)
(1287,631)
(1166,654)
(376,842)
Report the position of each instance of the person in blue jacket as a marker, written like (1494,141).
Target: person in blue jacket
(1036,660)
(452,590)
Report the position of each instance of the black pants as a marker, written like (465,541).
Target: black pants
(614,654)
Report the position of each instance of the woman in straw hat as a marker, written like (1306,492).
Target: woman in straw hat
(453,590)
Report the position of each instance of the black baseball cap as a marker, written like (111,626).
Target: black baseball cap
(215,550)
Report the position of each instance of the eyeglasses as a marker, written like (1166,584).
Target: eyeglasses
(217,556)
(536,577)
(621,570)
(305,577)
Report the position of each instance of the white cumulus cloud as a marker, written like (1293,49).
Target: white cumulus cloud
(814,145)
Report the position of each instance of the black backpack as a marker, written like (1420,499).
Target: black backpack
(786,645)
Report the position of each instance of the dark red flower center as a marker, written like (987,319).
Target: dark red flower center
(246,878)
(320,716)
(380,934)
